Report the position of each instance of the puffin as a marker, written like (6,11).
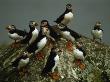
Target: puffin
(32,35)
(51,64)
(21,62)
(51,33)
(70,35)
(66,17)
(79,54)
(97,32)
(39,43)
(15,34)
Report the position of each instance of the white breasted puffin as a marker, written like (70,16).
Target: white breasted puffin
(97,32)
(52,34)
(16,34)
(39,43)
(79,54)
(51,64)
(21,62)
(33,33)
(66,17)
(69,34)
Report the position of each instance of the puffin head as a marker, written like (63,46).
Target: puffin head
(98,23)
(44,23)
(33,24)
(11,27)
(69,7)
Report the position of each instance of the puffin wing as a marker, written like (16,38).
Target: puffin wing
(74,34)
(21,33)
(61,17)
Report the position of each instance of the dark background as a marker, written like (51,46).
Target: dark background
(86,13)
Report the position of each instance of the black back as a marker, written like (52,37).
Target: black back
(28,37)
(19,32)
(16,62)
(58,20)
(50,63)
(73,33)
(53,33)
(33,47)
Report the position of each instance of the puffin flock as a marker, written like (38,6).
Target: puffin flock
(35,40)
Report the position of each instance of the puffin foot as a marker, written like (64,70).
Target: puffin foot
(69,46)
(80,64)
(40,56)
(55,75)
(23,72)
(15,45)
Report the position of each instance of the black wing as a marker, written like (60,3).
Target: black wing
(21,33)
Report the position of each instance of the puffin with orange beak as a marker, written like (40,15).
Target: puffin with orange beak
(32,35)
(15,34)
(39,43)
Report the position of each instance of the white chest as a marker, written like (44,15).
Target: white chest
(56,59)
(34,36)
(23,62)
(78,54)
(97,33)
(68,36)
(15,36)
(68,16)
(41,44)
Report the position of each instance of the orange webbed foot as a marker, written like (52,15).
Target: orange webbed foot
(80,64)
(55,75)
(40,56)
(69,46)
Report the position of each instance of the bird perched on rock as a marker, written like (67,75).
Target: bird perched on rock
(97,32)
(15,33)
(69,34)
(32,35)
(39,43)
(51,64)
(66,17)
(21,62)
(52,34)
(79,54)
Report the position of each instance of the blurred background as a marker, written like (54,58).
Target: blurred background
(86,13)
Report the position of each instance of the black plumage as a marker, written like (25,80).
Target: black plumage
(50,63)
(16,62)
(34,46)
(19,32)
(61,17)
(73,33)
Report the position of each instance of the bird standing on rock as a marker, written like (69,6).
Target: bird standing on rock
(97,32)
(66,17)
(21,62)
(79,54)
(32,35)
(69,34)
(15,34)
(39,43)
(51,64)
